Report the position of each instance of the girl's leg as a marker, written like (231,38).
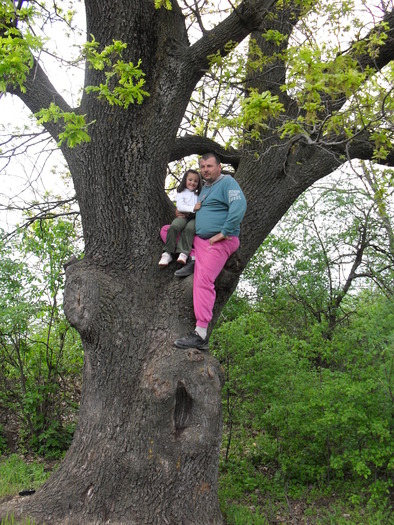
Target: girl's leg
(185,242)
(177,226)
(163,236)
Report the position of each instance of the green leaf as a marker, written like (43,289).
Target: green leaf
(163,3)
(124,81)
(75,127)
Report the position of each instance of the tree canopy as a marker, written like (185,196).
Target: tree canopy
(324,80)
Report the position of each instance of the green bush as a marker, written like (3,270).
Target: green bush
(310,424)
(3,441)
(40,354)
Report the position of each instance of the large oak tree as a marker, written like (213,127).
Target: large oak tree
(147,443)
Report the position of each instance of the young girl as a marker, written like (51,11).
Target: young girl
(187,205)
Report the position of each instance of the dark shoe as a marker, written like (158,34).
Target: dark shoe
(192,340)
(186,270)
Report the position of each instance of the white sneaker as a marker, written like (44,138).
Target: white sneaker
(182,258)
(165,260)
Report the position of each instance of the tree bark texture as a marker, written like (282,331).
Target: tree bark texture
(148,437)
(147,444)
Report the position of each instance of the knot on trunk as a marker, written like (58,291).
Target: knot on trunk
(91,298)
(183,408)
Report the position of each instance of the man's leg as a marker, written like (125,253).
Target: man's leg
(164,231)
(210,260)
(209,263)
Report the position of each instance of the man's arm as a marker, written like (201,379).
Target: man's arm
(236,208)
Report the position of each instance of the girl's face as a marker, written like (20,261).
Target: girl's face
(192,181)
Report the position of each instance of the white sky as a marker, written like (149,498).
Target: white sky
(32,175)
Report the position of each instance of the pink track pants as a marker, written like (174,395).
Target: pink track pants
(210,261)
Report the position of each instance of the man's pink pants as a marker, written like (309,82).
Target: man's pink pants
(210,260)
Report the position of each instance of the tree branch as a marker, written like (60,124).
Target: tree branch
(386,51)
(376,62)
(39,94)
(237,26)
(41,211)
(193,144)
(362,147)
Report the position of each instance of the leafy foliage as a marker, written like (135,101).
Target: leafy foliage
(128,78)
(308,399)
(75,127)
(40,355)
(333,242)
(335,97)
(304,425)
(16,49)
(163,3)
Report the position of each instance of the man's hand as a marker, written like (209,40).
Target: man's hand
(217,238)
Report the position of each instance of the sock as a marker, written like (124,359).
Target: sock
(202,332)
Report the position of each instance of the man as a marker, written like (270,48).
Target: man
(223,207)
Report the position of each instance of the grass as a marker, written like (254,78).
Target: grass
(10,520)
(262,500)
(245,499)
(16,474)
(297,511)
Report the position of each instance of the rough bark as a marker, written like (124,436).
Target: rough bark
(148,437)
(146,447)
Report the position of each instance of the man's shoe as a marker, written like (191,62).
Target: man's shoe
(186,270)
(192,340)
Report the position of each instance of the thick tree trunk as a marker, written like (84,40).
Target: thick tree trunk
(147,443)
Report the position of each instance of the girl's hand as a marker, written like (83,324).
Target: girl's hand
(197,206)
(180,214)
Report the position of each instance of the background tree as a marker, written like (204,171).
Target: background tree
(40,354)
(307,348)
(146,446)
(335,241)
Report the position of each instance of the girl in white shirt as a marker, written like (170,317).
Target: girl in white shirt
(180,234)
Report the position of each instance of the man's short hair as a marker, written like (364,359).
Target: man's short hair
(207,156)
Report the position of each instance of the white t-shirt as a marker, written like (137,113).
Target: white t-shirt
(186,200)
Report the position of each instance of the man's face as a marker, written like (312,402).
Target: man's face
(210,170)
